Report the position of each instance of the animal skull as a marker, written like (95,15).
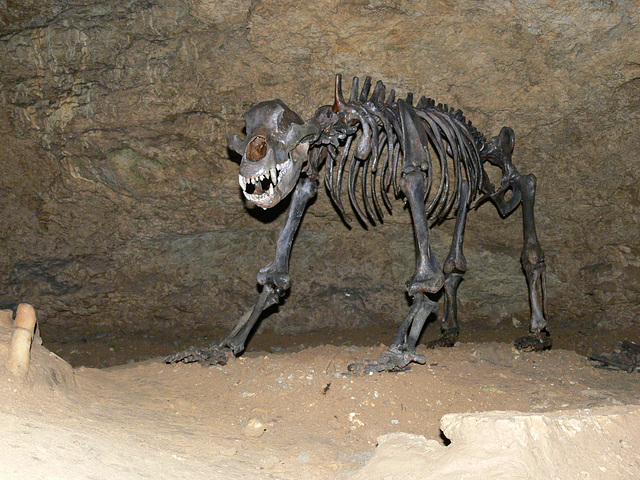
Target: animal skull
(273,152)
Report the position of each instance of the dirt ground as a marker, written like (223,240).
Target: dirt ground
(103,349)
(295,413)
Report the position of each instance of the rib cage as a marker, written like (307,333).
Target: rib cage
(364,141)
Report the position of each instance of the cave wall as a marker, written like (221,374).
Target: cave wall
(120,205)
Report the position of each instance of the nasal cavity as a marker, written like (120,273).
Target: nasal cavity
(257,148)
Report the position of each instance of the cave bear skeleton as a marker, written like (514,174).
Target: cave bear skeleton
(428,155)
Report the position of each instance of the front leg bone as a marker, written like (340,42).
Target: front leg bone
(237,338)
(274,278)
(454,268)
(234,342)
(402,351)
(428,276)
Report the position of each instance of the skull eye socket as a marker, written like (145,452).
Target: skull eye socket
(257,148)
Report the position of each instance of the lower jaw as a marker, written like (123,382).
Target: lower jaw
(265,203)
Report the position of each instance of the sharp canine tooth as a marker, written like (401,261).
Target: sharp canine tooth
(274,175)
(242,181)
(271,190)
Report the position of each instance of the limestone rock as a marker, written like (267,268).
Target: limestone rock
(599,444)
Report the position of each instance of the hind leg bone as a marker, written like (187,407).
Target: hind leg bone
(532,259)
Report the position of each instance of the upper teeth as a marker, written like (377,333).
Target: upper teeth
(275,174)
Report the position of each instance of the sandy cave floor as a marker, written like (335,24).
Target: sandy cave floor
(108,348)
(295,414)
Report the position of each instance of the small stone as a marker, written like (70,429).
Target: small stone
(304,458)
(227,450)
(269,461)
(254,428)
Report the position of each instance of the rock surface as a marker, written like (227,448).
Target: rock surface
(512,445)
(119,200)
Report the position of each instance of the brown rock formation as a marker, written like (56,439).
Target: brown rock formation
(119,200)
